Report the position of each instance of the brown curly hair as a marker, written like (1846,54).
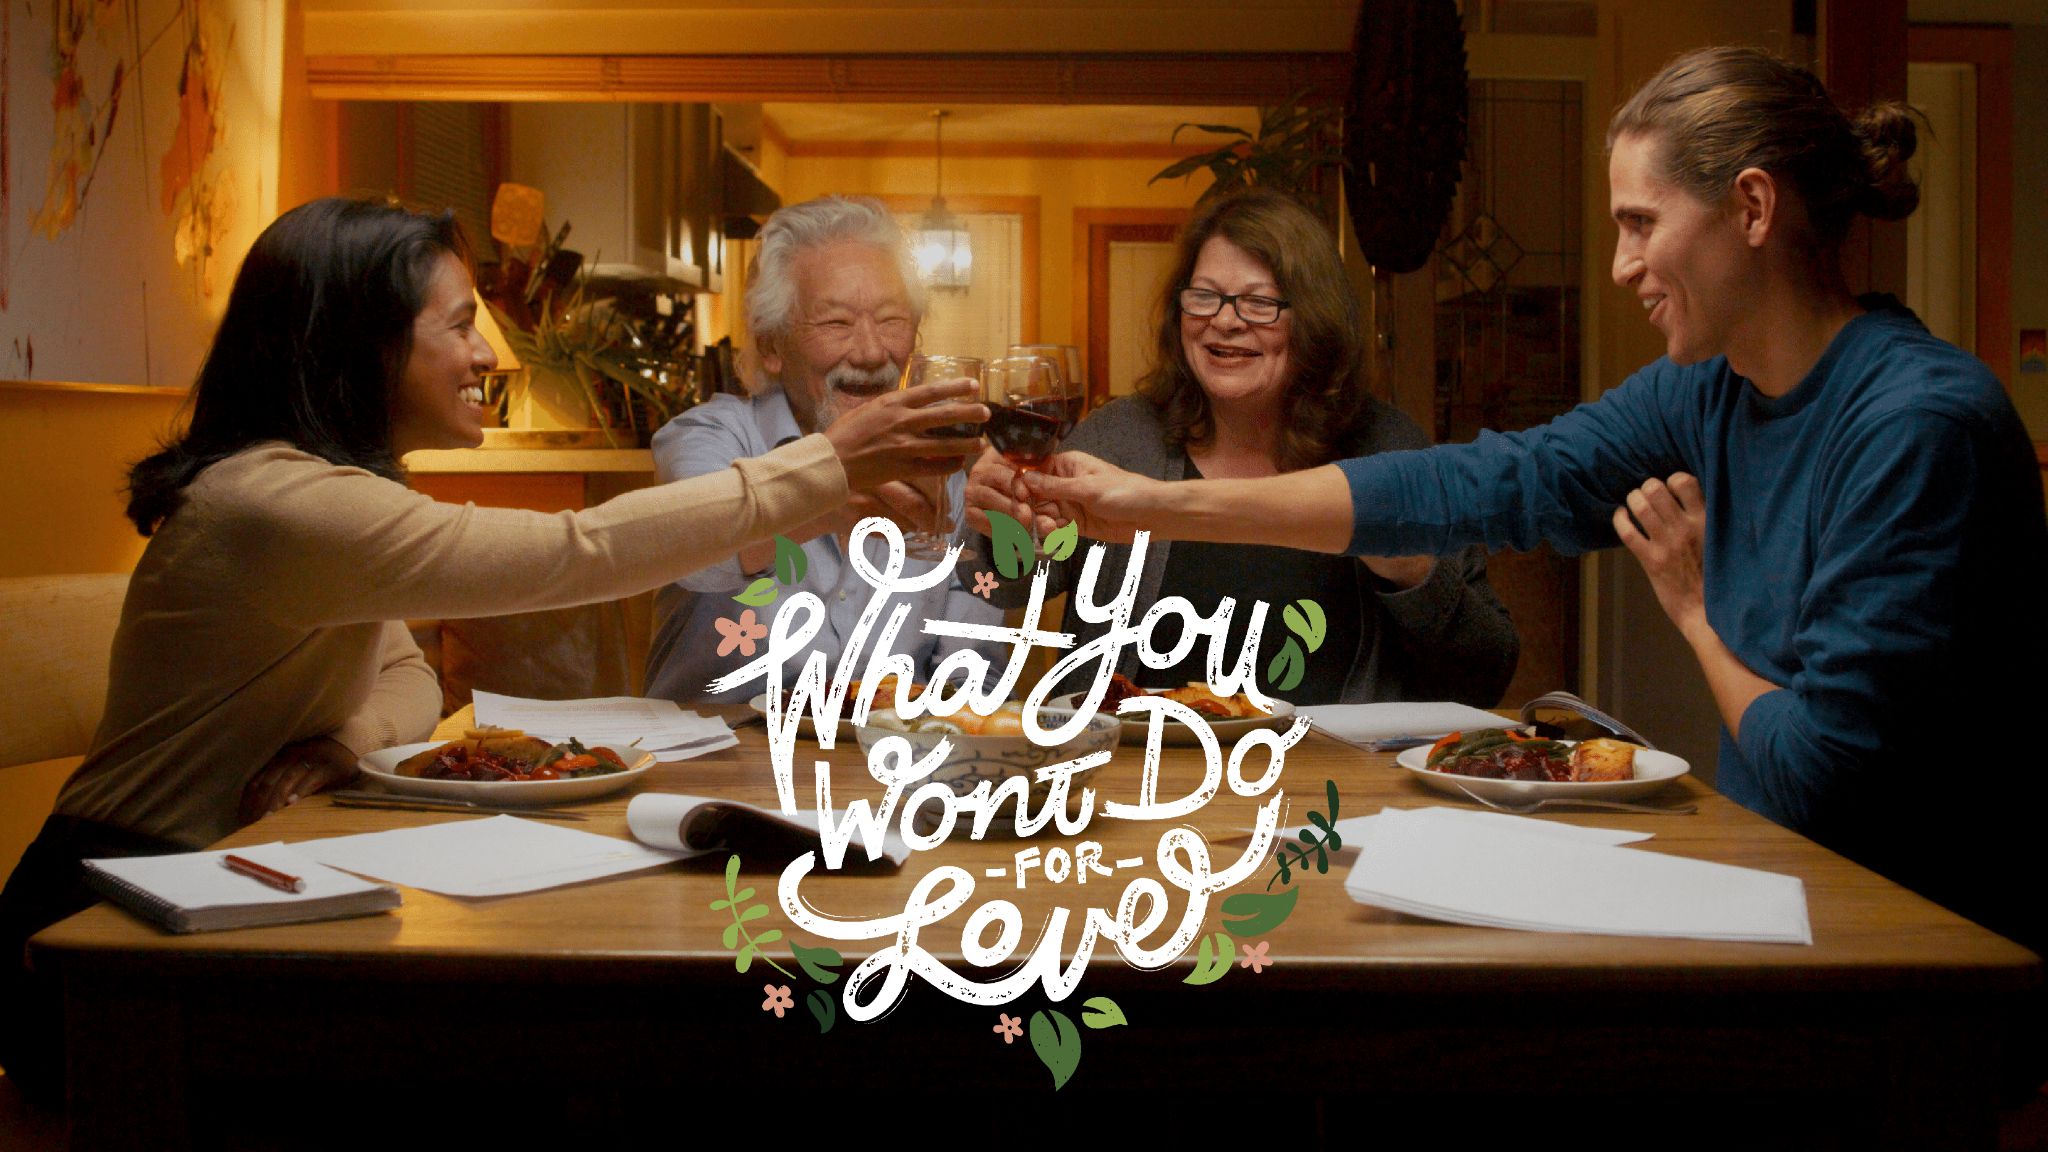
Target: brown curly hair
(1717,111)
(1327,402)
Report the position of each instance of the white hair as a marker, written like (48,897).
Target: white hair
(771,289)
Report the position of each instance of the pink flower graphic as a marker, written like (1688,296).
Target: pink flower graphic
(778,1000)
(1255,958)
(740,633)
(1010,1028)
(984,583)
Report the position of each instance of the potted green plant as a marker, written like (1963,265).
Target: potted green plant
(1295,144)
(633,372)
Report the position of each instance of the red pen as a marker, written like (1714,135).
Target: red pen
(282,881)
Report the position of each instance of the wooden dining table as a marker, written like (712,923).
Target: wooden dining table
(614,1006)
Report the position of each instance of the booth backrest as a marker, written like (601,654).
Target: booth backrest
(53,662)
(55,636)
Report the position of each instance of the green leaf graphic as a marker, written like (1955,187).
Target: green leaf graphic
(1063,541)
(820,964)
(1102,1013)
(1213,961)
(760,593)
(736,934)
(1257,912)
(790,561)
(1331,839)
(823,1008)
(1057,1043)
(1308,622)
(1011,544)
(1287,667)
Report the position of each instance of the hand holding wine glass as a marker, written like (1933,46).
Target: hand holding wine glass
(1032,405)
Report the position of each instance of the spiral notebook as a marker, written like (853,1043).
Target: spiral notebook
(195,892)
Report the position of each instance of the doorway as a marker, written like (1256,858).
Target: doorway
(1128,254)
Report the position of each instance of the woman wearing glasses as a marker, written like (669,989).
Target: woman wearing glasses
(1259,370)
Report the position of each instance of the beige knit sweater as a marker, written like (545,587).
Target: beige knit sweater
(268,610)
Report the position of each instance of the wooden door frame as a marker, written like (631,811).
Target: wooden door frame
(1094,229)
(1988,50)
(1026,207)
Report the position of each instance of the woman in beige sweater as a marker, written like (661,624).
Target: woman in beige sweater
(261,650)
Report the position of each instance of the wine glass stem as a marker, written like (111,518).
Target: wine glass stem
(942,514)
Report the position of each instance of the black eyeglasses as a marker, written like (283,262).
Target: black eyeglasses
(1250,309)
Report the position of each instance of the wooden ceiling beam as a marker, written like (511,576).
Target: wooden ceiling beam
(1107,78)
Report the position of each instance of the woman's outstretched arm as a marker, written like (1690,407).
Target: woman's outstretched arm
(1310,510)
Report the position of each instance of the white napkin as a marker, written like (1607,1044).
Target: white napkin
(1466,873)
(1363,723)
(658,726)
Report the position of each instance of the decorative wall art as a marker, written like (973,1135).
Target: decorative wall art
(138,161)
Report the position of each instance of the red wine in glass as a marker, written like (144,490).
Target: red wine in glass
(1071,413)
(1028,431)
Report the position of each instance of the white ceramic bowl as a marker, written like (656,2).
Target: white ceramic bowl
(383,768)
(1653,771)
(995,758)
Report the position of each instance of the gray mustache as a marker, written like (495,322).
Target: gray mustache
(846,378)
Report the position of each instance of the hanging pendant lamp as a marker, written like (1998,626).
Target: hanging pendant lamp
(945,256)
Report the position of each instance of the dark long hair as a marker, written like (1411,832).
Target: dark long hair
(315,338)
(1328,401)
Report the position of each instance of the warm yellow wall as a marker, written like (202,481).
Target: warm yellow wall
(1062,184)
(306,156)
(64,458)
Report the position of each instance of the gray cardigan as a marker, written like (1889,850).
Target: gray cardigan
(1448,638)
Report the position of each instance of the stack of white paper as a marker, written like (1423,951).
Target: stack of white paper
(658,726)
(1353,830)
(493,857)
(1364,723)
(1469,873)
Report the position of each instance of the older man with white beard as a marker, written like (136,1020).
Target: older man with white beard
(833,304)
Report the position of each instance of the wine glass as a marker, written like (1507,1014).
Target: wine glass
(932,544)
(1069,358)
(1032,405)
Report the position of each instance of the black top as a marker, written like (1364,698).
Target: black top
(1206,573)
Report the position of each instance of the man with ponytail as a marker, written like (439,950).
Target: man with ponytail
(1841,513)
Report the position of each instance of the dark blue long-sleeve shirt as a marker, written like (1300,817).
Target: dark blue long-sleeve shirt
(1876,547)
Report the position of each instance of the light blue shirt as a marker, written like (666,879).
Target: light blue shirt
(684,659)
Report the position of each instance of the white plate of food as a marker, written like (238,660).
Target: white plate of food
(399,769)
(1244,715)
(885,697)
(1648,770)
